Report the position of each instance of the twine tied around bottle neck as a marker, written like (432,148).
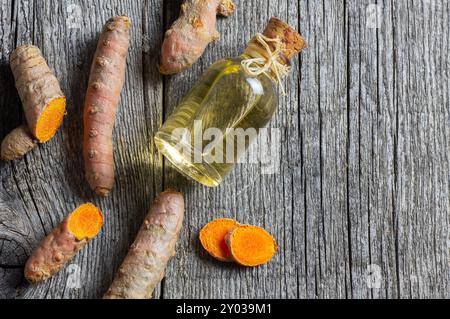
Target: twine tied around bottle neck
(265,60)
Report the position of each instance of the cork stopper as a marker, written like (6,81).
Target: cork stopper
(292,40)
(270,52)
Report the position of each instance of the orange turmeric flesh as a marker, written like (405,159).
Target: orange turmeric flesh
(85,221)
(50,119)
(212,238)
(251,245)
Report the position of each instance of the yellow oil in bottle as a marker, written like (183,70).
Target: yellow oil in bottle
(215,123)
(225,100)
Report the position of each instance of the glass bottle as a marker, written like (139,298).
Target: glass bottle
(221,115)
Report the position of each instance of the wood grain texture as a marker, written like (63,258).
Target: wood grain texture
(360,204)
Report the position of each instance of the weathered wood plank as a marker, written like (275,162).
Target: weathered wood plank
(246,194)
(323,105)
(311,20)
(331,53)
(371,150)
(378,107)
(362,57)
(422,153)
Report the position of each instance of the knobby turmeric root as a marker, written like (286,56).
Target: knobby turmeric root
(250,245)
(188,37)
(105,84)
(17,143)
(43,101)
(74,232)
(212,238)
(144,266)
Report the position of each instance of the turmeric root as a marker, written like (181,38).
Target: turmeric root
(75,231)
(188,37)
(144,266)
(105,83)
(250,245)
(212,238)
(43,101)
(17,143)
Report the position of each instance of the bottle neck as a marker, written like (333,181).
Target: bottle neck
(265,56)
(269,73)
(256,50)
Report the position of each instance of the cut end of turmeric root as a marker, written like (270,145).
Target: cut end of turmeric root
(212,238)
(251,245)
(50,119)
(85,221)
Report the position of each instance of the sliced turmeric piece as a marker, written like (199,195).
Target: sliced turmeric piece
(251,245)
(50,119)
(74,232)
(212,238)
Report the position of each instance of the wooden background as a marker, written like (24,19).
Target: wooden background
(360,207)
